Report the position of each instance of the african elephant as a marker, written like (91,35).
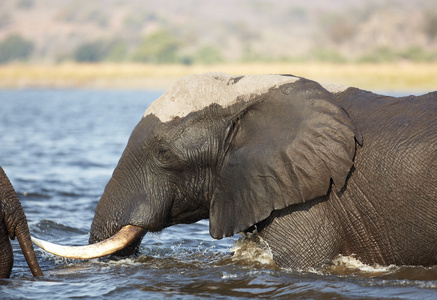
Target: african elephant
(312,171)
(13,223)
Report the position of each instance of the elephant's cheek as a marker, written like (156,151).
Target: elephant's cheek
(101,230)
(151,213)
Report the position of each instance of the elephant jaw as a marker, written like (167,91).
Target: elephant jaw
(120,240)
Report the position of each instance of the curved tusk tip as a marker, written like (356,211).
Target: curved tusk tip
(35,240)
(40,243)
(115,243)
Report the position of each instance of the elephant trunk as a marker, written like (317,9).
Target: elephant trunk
(23,236)
(14,224)
(126,236)
(112,232)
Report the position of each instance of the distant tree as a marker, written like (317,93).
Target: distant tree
(97,17)
(159,47)
(416,53)
(136,19)
(208,55)
(250,55)
(14,47)
(5,19)
(25,4)
(337,28)
(297,14)
(90,52)
(117,50)
(430,24)
(326,55)
(244,32)
(379,54)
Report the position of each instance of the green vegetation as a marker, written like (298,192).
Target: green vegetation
(162,47)
(117,51)
(15,48)
(90,52)
(208,32)
(417,54)
(387,54)
(327,55)
(159,47)
(208,55)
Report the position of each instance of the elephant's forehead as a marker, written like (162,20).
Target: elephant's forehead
(195,92)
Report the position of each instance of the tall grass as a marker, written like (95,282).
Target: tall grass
(383,76)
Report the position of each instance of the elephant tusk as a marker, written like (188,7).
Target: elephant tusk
(120,240)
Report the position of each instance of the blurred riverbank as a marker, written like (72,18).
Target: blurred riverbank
(421,77)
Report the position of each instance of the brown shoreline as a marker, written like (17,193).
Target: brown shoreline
(383,77)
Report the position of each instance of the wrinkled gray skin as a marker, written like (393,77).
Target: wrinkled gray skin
(319,173)
(13,224)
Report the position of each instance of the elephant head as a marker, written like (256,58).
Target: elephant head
(231,149)
(13,224)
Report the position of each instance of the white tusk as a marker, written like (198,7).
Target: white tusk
(120,240)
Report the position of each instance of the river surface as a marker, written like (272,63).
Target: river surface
(59,148)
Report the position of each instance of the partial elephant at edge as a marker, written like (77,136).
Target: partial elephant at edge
(13,224)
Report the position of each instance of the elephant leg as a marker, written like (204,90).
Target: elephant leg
(6,253)
(302,235)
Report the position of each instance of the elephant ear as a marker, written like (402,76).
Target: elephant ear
(286,148)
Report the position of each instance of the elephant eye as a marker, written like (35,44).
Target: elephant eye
(163,154)
(168,156)
(169,159)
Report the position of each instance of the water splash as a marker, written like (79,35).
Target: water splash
(350,265)
(255,253)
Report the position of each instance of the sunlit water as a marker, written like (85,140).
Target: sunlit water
(59,148)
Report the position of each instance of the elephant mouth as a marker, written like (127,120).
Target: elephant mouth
(123,243)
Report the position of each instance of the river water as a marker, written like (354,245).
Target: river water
(59,148)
